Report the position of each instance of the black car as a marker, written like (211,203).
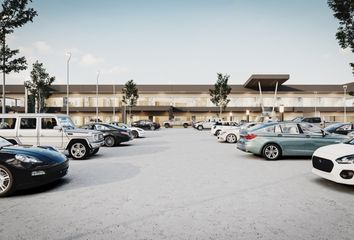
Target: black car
(340,128)
(146,124)
(26,167)
(113,135)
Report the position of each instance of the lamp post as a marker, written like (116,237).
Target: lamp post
(231,116)
(315,92)
(248,115)
(114,102)
(281,110)
(344,102)
(98,75)
(67,82)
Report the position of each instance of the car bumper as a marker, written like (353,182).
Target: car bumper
(222,138)
(141,133)
(97,144)
(248,146)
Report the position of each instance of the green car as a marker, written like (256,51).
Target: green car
(276,139)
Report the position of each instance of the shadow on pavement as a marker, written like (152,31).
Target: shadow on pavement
(342,188)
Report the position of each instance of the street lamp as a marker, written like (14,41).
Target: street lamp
(248,115)
(231,116)
(344,99)
(281,110)
(98,75)
(67,82)
(315,92)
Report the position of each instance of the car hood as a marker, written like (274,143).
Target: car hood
(81,131)
(335,151)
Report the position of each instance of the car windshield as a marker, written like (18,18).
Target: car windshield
(351,142)
(66,122)
(297,119)
(310,128)
(333,126)
(4,142)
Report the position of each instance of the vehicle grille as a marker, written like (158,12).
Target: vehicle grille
(322,164)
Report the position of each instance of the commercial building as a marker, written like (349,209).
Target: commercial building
(260,93)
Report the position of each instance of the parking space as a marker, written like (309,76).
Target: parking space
(181,184)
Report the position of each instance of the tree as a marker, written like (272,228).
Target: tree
(220,92)
(344,12)
(14,14)
(39,85)
(130,96)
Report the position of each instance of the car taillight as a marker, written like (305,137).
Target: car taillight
(250,136)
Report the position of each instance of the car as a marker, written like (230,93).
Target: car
(335,162)
(176,122)
(112,135)
(137,132)
(340,128)
(146,125)
(206,124)
(231,135)
(23,167)
(277,139)
(217,128)
(55,130)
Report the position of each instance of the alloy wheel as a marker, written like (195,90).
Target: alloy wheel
(231,138)
(271,152)
(78,150)
(5,180)
(109,141)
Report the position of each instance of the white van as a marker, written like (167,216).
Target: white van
(55,130)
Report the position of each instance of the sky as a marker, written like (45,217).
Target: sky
(182,41)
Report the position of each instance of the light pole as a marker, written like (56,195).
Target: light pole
(98,75)
(248,115)
(281,110)
(114,102)
(345,105)
(315,92)
(67,83)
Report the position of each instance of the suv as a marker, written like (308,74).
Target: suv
(176,122)
(217,128)
(206,124)
(53,130)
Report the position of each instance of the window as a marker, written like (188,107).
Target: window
(28,123)
(101,128)
(310,128)
(48,123)
(7,123)
(345,127)
(290,128)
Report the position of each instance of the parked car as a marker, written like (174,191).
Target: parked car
(340,128)
(217,128)
(176,122)
(112,135)
(206,124)
(231,135)
(137,132)
(277,139)
(335,162)
(146,124)
(55,130)
(25,167)
(314,120)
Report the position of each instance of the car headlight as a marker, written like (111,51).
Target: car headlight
(26,159)
(125,133)
(346,160)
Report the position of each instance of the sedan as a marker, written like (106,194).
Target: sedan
(335,162)
(113,135)
(146,124)
(26,167)
(277,139)
(137,132)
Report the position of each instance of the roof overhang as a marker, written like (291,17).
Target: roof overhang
(268,81)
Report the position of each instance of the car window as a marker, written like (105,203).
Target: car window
(7,123)
(48,123)
(28,123)
(101,127)
(345,127)
(289,128)
(310,128)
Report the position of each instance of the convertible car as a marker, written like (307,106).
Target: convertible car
(26,167)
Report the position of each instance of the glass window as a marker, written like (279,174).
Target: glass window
(289,128)
(345,127)
(310,128)
(48,123)
(7,123)
(101,128)
(66,122)
(28,123)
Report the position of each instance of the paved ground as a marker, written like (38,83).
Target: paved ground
(181,184)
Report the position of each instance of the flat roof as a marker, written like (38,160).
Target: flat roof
(267,81)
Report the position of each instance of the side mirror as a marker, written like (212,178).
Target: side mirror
(57,128)
(323,133)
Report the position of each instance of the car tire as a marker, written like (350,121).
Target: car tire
(271,151)
(185,125)
(217,133)
(200,127)
(7,181)
(95,151)
(231,138)
(78,150)
(135,134)
(167,125)
(109,141)
(152,127)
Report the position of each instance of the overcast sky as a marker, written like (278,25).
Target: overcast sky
(183,41)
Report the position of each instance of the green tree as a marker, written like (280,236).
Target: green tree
(130,96)
(39,85)
(14,14)
(344,12)
(220,92)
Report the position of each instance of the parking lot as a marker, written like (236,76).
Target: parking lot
(181,184)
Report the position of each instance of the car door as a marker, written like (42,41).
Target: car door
(49,134)
(27,132)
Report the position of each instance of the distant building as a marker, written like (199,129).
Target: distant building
(260,93)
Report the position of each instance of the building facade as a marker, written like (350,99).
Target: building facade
(259,94)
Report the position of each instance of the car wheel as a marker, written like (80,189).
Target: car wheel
(271,151)
(6,181)
(95,151)
(109,141)
(78,150)
(231,138)
(167,125)
(185,125)
(217,133)
(135,134)
(152,127)
(200,127)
